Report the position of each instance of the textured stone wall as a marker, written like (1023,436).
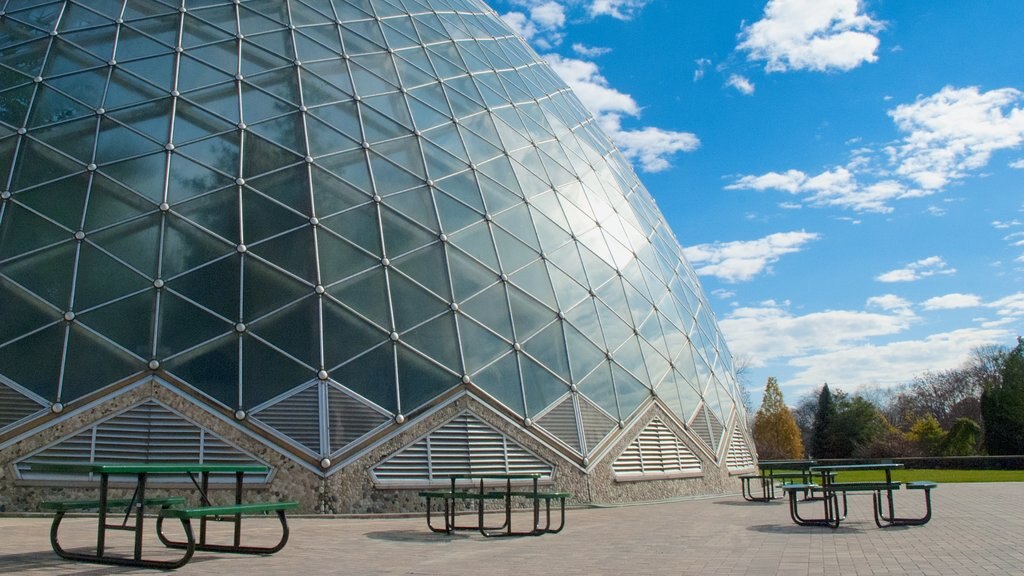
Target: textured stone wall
(350,489)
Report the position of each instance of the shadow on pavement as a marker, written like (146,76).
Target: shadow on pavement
(424,536)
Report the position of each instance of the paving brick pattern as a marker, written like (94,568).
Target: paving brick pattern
(976,529)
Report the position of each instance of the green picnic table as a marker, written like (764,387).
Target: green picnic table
(169,508)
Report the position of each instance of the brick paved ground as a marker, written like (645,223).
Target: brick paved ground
(976,529)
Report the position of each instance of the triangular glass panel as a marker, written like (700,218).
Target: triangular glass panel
(183,325)
(136,243)
(548,347)
(402,235)
(490,308)
(34,362)
(598,387)
(265,289)
(214,286)
(49,106)
(186,247)
(91,364)
(468,275)
(101,279)
(501,381)
(437,339)
(127,322)
(145,174)
(294,329)
(542,388)
(596,424)
(266,373)
(217,212)
(420,380)
(412,304)
(62,201)
(372,376)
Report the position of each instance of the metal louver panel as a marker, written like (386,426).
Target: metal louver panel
(146,432)
(464,445)
(14,406)
(656,453)
(708,428)
(348,419)
(297,417)
(561,422)
(739,456)
(596,425)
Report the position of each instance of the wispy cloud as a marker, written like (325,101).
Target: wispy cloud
(542,22)
(924,268)
(740,261)
(954,132)
(741,84)
(889,302)
(952,302)
(589,51)
(1018,164)
(650,147)
(770,332)
(619,9)
(945,137)
(820,35)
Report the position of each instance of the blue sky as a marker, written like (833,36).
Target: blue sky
(847,177)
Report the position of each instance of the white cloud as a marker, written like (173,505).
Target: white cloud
(541,22)
(1002,224)
(820,35)
(740,83)
(924,268)
(837,187)
(702,66)
(952,302)
(520,24)
(770,332)
(893,363)
(945,137)
(889,302)
(1019,164)
(954,132)
(589,51)
(619,9)
(1011,307)
(723,294)
(548,15)
(743,260)
(650,147)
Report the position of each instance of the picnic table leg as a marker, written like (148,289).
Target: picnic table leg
(888,480)
(139,514)
(238,501)
(101,535)
(204,500)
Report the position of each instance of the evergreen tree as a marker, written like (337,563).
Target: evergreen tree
(822,424)
(776,433)
(1002,406)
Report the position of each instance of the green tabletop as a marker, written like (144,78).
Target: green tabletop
(877,466)
(144,467)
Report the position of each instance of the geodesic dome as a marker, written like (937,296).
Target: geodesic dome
(327,218)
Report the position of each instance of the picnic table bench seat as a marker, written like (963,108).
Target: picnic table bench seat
(229,512)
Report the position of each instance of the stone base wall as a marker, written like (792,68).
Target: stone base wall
(350,489)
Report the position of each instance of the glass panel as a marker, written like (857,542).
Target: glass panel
(490,308)
(428,267)
(584,355)
(186,247)
(101,279)
(501,380)
(468,277)
(358,225)
(541,387)
(136,242)
(534,280)
(372,376)
(367,293)
(401,235)
(339,259)
(266,374)
(437,339)
(454,214)
(528,315)
(332,195)
(183,325)
(34,361)
(598,388)
(214,286)
(62,201)
(265,289)
(217,212)
(548,346)
(346,336)
(419,380)
(128,322)
(295,329)
(145,175)
(218,152)
(263,218)
(91,365)
(412,304)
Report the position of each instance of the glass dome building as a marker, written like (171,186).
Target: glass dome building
(369,243)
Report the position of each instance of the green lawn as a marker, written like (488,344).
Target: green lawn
(910,475)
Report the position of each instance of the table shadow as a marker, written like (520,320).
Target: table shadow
(424,536)
(795,529)
(751,504)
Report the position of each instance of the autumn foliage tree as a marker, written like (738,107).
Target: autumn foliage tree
(775,431)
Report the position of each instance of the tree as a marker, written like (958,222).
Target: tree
(928,435)
(962,438)
(823,417)
(855,426)
(775,431)
(1002,406)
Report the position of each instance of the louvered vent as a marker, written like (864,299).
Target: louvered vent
(596,424)
(656,453)
(297,417)
(464,445)
(561,422)
(739,456)
(708,428)
(348,419)
(15,406)
(147,432)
